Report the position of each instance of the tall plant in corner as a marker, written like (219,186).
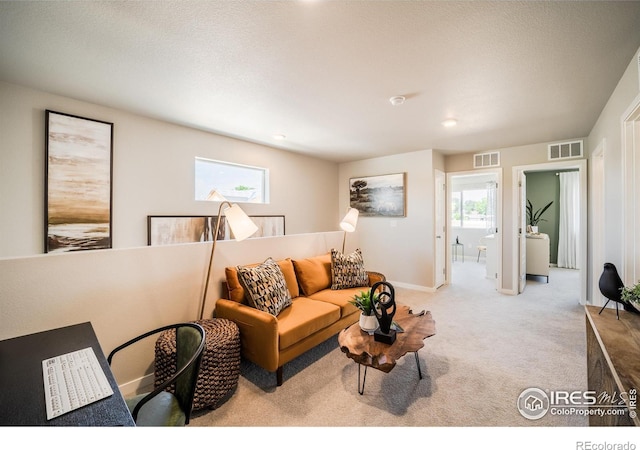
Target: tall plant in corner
(536,217)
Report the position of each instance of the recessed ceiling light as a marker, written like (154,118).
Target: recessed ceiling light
(397,100)
(450,123)
(279,137)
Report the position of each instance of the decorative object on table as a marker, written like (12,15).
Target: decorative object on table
(168,230)
(240,224)
(348,224)
(630,297)
(219,368)
(384,311)
(536,217)
(366,303)
(367,352)
(382,195)
(611,286)
(79,156)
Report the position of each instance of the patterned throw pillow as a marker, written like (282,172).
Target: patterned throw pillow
(265,286)
(347,271)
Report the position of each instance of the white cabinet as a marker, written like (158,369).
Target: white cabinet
(489,241)
(538,255)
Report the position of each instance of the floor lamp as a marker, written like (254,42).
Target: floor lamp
(348,224)
(241,226)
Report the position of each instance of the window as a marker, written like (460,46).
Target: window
(473,206)
(237,183)
(469,208)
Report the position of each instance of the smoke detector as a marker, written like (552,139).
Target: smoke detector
(397,100)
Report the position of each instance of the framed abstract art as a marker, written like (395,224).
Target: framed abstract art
(78,185)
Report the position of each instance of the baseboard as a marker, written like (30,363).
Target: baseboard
(414,287)
(507,291)
(137,386)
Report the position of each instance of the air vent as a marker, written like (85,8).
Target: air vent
(486,160)
(565,150)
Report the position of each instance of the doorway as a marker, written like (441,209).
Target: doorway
(474,221)
(519,219)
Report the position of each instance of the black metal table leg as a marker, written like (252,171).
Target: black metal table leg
(364,378)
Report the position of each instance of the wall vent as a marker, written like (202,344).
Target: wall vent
(481,160)
(565,150)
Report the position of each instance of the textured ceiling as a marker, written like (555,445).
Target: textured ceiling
(322,72)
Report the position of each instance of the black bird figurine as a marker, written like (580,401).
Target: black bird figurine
(611,286)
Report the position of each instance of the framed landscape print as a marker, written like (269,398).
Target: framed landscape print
(381,195)
(79,155)
(166,230)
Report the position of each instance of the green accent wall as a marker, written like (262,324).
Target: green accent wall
(543,187)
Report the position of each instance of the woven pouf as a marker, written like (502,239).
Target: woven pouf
(220,366)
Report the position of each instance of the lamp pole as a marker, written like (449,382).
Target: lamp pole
(213,248)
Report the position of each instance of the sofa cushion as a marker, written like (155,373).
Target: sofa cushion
(314,274)
(303,318)
(265,286)
(340,298)
(347,271)
(236,291)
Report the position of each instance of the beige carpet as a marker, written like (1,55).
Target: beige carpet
(488,348)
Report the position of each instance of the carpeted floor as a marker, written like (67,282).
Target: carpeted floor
(488,348)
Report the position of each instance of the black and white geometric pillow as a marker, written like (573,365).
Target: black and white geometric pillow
(348,271)
(265,286)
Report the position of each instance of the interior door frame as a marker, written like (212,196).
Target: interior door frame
(440,236)
(499,233)
(598,195)
(630,272)
(521,226)
(581,166)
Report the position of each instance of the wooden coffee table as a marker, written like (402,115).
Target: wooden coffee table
(363,349)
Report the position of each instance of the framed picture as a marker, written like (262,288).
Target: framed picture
(78,188)
(381,195)
(166,230)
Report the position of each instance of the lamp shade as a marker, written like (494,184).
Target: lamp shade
(241,225)
(350,220)
(215,196)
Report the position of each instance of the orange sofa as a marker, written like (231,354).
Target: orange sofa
(316,313)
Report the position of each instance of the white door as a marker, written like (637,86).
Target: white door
(522,230)
(440,228)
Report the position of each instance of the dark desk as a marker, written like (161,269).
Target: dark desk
(22,400)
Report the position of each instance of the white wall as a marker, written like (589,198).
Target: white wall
(400,247)
(509,158)
(153,173)
(608,129)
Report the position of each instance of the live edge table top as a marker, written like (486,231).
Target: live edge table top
(364,349)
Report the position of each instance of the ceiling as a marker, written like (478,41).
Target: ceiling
(322,72)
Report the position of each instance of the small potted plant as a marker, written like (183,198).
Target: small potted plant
(536,217)
(630,296)
(364,302)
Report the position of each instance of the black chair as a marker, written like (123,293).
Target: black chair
(611,286)
(161,407)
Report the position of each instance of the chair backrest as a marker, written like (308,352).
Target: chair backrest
(190,342)
(189,348)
